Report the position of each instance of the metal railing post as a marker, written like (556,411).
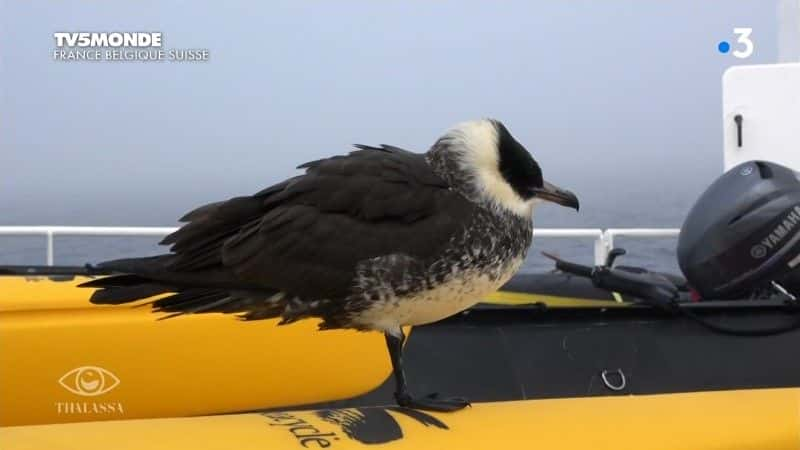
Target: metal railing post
(50,257)
(602,246)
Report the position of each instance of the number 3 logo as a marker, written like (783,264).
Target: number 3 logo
(744,38)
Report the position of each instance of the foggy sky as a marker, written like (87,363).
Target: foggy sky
(619,101)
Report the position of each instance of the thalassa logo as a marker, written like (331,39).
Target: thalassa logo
(89,381)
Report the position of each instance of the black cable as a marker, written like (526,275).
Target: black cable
(610,279)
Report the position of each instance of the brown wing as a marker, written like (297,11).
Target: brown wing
(307,234)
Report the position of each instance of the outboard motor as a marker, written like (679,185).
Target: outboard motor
(741,240)
(743,233)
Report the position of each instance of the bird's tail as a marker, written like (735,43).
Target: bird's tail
(143,278)
(133,282)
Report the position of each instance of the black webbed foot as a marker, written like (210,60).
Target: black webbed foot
(433,402)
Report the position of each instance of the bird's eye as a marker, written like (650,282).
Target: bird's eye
(89,381)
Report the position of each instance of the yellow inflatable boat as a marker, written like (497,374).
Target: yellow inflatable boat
(65,360)
(760,419)
(548,362)
(59,350)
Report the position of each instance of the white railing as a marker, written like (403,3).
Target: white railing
(49,232)
(603,239)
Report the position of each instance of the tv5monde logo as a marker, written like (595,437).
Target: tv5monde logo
(91,383)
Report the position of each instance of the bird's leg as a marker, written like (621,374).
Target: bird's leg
(431,402)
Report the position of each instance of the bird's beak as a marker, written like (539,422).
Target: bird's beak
(552,193)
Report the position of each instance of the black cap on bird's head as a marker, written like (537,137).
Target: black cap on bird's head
(498,168)
(523,173)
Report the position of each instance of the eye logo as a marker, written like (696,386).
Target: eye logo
(89,381)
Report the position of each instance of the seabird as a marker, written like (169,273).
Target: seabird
(375,240)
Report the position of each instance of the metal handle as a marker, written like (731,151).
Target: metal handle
(609,384)
(738,119)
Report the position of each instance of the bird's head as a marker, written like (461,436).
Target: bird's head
(486,164)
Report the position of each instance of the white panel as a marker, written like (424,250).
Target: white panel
(767,97)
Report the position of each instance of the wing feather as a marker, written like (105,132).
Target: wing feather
(307,235)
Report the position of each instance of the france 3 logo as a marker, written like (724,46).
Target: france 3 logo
(744,43)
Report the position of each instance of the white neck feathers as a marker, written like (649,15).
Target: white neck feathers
(474,146)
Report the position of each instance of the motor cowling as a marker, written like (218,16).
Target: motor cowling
(743,232)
